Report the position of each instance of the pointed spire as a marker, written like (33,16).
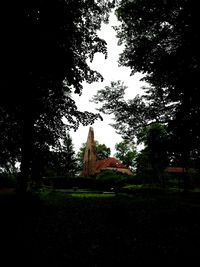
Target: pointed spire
(89,161)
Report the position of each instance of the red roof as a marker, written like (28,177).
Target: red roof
(109,162)
(175,169)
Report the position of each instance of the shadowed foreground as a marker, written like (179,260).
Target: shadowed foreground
(64,230)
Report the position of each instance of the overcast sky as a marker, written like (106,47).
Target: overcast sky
(103,132)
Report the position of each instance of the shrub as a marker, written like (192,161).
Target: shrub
(147,189)
(7,180)
(108,179)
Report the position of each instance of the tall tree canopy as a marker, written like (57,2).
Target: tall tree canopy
(45,45)
(162,41)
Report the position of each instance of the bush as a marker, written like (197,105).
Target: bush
(7,180)
(194,176)
(111,179)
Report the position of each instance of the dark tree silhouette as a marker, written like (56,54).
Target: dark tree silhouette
(161,40)
(60,161)
(155,139)
(45,46)
(68,161)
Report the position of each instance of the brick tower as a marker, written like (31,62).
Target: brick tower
(89,160)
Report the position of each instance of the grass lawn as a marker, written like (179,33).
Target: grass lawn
(72,229)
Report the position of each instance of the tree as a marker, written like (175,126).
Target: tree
(45,48)
(102,152)
(155,139)
(140,118)
(68,162)
(144,168)
(126,152)
(9,153)
(62,161)
(161,40)
(132,115)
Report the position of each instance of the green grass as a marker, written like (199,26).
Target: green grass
(56,197)
(92,195)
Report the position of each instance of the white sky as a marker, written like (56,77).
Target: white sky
(103,132)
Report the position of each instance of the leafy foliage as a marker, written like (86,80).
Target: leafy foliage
(161,40)
(154,157)
(132,115)
(126,152)
(61,162)
(45,47)
(110,179)
(112,100)
(139,118)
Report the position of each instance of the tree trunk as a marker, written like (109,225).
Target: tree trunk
(24,179)
(186,179)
